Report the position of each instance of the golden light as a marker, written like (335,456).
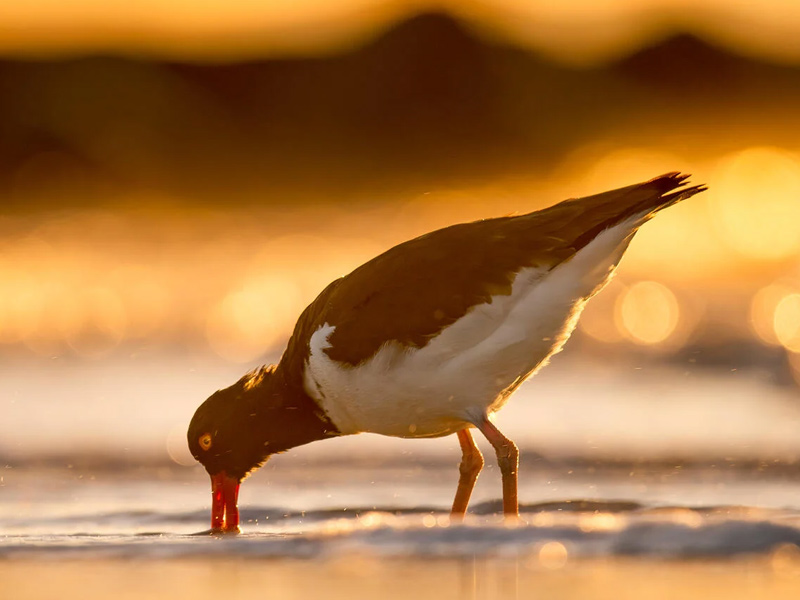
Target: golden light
(647,313)
(597,319)
(542,519)
(252,319)
(686,516)
(183,28)
(785,560)
(585,32)
(786,322)
(599,522)
(579,31)
(621,166)
(97,323)
(762,311)
(757,202)
(677,242)
(21,302)
(146,300)
(55,313)
(553,555)
(429,521)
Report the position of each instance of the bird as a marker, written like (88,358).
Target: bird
(428,339)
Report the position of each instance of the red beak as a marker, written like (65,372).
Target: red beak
(224,509)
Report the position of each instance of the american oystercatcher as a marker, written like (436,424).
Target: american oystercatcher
(430,338)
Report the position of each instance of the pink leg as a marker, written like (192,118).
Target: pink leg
(508,460)
(470,467)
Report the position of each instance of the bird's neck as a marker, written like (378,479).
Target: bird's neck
(288,413)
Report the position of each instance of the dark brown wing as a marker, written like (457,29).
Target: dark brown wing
(412,291)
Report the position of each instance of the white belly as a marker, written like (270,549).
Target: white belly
(469,370)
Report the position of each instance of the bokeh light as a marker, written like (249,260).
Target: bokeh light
(21,304)
(553,555)
(252,319)
(597,319)
(678,240)
(599,521)
(146,300)
(98,323)
(763,312)
(90,283)
(647,313)
(786,322)
(55,314)
(177,448)
(757,206)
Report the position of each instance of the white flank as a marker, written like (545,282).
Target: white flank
(470,369)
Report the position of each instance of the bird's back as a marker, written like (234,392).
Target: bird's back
(413,291)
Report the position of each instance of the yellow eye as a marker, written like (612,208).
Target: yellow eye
(205,441)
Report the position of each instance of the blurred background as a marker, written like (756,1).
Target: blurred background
(178,180)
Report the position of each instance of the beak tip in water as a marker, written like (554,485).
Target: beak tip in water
(224,507)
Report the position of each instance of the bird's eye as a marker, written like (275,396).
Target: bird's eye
(205,441)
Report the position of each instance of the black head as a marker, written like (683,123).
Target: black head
(238,428)
(230,432)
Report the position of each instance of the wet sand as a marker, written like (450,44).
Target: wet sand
(776,576)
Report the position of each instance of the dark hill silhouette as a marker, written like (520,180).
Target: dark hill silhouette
(685,61)
(426,103)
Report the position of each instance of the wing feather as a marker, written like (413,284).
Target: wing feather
(411,292)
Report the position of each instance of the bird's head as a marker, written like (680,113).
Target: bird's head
(230,436)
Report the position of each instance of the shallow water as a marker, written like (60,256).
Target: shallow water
(657,483)
(302,510)
(317,529)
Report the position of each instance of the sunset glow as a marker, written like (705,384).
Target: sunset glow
(577,31)
(240,290)
(757,193)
